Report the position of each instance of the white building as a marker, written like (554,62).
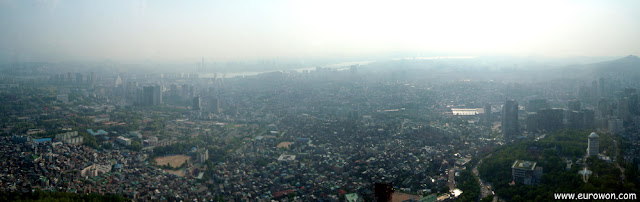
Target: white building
(203,155)
(123,141)
(95,170)
(69,138)
(285,157)
(593,146)
(464,112)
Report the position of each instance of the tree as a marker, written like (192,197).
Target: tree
(444,189)
(88,139)
(107,146)
(135,145)
(487,199)
(468,182)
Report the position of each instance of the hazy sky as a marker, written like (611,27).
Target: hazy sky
(185,31)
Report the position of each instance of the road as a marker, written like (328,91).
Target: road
(621,171)
(485,188)
(452,178)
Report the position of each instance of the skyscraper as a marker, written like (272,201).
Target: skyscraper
(118,82)
(157,95)
(510,127)
(575,119)
(634,102)
(550,119)
(601,88)
(487,114)
(604,109)
(78,78)
(152,95)
(214,105)
(623,109)
(93,78)
(595,93)
(196,103)
(147,96)
(589,118)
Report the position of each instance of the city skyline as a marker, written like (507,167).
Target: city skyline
(319,100)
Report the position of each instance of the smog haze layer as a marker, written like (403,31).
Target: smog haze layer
(186,31)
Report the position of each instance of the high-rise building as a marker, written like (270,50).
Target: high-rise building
(93,78)
(147,95)
(152,95)
(594,91)
(532,121)
(184,90)
(192,91)
(118,82)
(157,95)
(623,109)
(174,90)
(131,90)
(78,78)
(632,101)
(139,97)
(551,120)
(203,155)
(510,127)
(601,88)
(589,118)
(487,114)
(575,119)
(604,108)
(593,145)
(574,115)
(196,103)
(214,105)
(584,93)
(634,104)
(202,65)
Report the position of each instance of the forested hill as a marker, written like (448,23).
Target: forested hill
(552,153)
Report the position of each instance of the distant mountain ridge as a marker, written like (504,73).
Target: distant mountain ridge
(626,67)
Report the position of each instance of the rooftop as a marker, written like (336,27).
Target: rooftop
(464,112)
(285,157)
(522,164)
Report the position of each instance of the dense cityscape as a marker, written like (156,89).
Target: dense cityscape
(354,101)
(322,134)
